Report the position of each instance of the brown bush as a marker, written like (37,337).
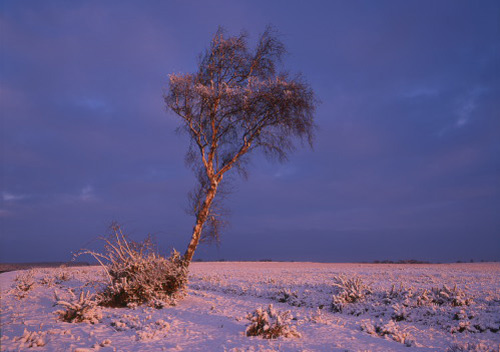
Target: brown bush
(137,274)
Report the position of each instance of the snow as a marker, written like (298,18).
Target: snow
(385,307)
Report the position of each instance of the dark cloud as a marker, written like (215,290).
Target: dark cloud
(406,162)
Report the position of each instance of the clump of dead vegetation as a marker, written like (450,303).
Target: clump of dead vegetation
(270,323)
(32,339)
(137,273)
(351,290)
(388,330)
(24,283)
(27,280)
(471,347)
(286,295)
(77,310)
(445,296)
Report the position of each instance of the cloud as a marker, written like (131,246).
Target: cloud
(86,134)
(87,194)
(467,106)
(10,197)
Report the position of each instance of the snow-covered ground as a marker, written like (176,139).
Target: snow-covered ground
(335,307)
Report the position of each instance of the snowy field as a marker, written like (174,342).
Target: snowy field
(335,307)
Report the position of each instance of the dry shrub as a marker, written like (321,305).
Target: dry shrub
(471,347)
(62,274)
(270,323)
(24,282)
(399,312)
(55,277)
(444,296)
(137,274)
(286,295)
(157,330)
(48,280)
(398,294)
(31,339)
(77,310)
(144,331)
(318,317)
(389,330)
(350,290)
(452,296)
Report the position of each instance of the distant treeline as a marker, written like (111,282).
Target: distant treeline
(4,267)
(401,261)
(386,261)
(413,261)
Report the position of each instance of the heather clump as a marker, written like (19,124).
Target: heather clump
(451,296)
(388,330)
(471,347)
(77,310)
(270,323)
(286,295)
(31,339)
(138,274)
(351,290)
(144,330)
(24,283)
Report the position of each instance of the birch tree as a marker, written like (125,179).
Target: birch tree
(236,103)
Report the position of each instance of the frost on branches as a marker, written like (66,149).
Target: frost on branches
(390,331)
(83,309)
(350,290)
(144,330)
(31,339)
(472,347)
(237,102)
(137,274)
(270,323)
(25,282)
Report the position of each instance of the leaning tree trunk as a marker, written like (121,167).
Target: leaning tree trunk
(201,218)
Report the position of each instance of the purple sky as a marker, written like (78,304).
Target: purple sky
(406,162)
